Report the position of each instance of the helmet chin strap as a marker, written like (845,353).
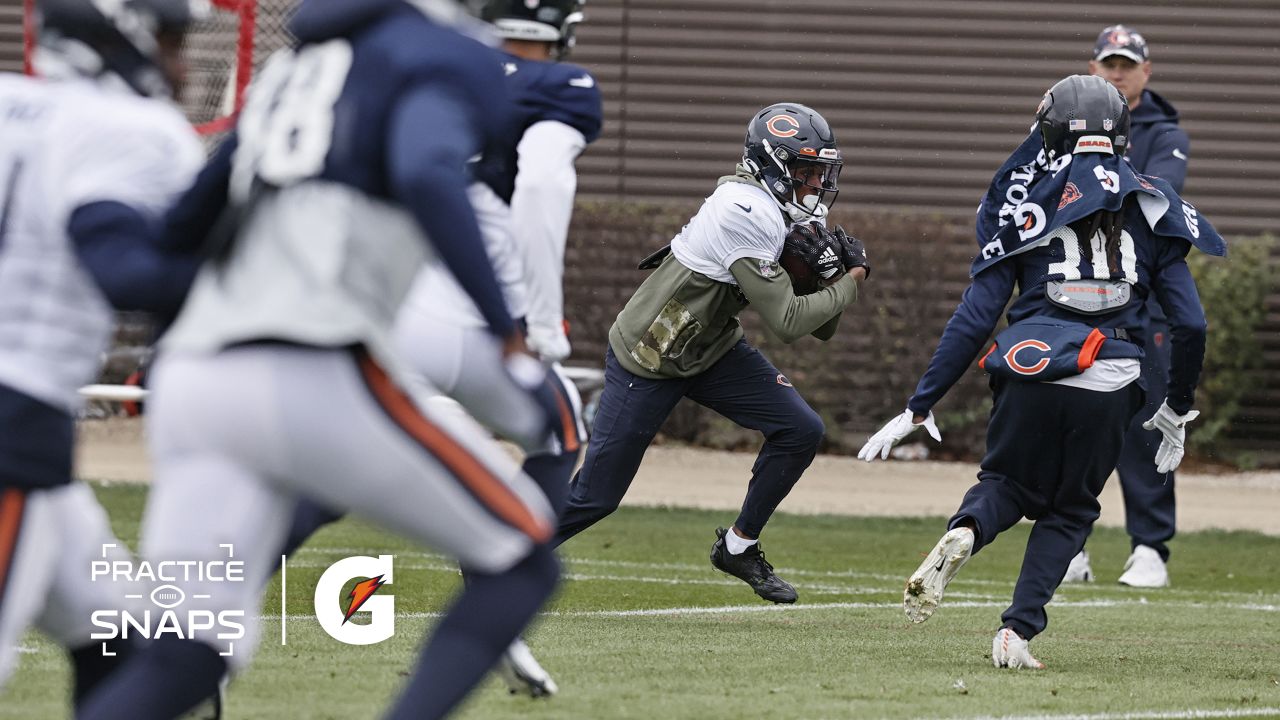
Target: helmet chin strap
(807,209)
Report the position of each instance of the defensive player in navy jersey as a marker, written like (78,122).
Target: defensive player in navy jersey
(91,154)
(279,379)
(524,198)
(1086,240)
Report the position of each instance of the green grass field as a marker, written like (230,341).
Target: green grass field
(645,628)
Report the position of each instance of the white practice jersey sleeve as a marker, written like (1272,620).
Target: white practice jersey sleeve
(737,221)
(62,146)
(436,293)
(541,208)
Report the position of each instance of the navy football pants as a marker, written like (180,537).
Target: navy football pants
(1050,449)
(1149,511)
(743,386)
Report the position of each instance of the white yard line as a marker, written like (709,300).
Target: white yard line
(1268,598)
(1139,715)
(804,607)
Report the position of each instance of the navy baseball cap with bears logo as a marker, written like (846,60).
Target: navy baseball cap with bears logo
(1123,41)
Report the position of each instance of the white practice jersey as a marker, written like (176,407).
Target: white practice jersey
(436,294)
(738,221)
(317,263)
(525,241)
(64,145)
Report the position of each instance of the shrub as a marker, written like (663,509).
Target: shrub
(1234,294)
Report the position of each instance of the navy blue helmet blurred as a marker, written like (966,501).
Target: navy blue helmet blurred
(112,39)
(538,20)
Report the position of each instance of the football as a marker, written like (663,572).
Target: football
(805,280)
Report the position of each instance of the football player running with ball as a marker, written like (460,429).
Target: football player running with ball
(1090,243)
(679,335)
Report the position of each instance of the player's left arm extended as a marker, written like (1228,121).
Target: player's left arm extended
(198,212)
(541,208)
(1176,290)
(788,316)
(970,326)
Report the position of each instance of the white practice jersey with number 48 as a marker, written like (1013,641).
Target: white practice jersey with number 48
(315,262)
(65,145)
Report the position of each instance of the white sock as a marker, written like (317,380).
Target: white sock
(737,544)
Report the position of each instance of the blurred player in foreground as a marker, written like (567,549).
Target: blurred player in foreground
(523,198)
(90,156)
(278,380)
(1091,242)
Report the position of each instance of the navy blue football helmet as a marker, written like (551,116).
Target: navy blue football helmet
(112,39)
(1083,113)
(538,20)
(789,146)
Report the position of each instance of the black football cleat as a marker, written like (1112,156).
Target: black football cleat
(751,568)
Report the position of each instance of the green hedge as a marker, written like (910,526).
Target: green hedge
(1234,293)
(866,373)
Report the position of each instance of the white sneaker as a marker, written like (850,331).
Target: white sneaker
(1145,569)
(925,586)
(522,673)
(1009,650)
(1079,570)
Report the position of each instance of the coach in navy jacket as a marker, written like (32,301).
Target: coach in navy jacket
(1157,146)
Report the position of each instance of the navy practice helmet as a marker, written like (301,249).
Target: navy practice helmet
(101,39)
(539,20)
(781,140)
(1083,113)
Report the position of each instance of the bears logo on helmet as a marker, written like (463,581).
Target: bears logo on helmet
(790,126)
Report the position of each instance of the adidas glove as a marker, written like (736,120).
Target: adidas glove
(817,248)
(852,252)
(1174,428)
(893,432)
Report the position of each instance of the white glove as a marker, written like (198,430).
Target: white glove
(1174,428)
(892,432)
(548,341)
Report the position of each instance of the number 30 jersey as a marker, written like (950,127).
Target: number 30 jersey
(351,153)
